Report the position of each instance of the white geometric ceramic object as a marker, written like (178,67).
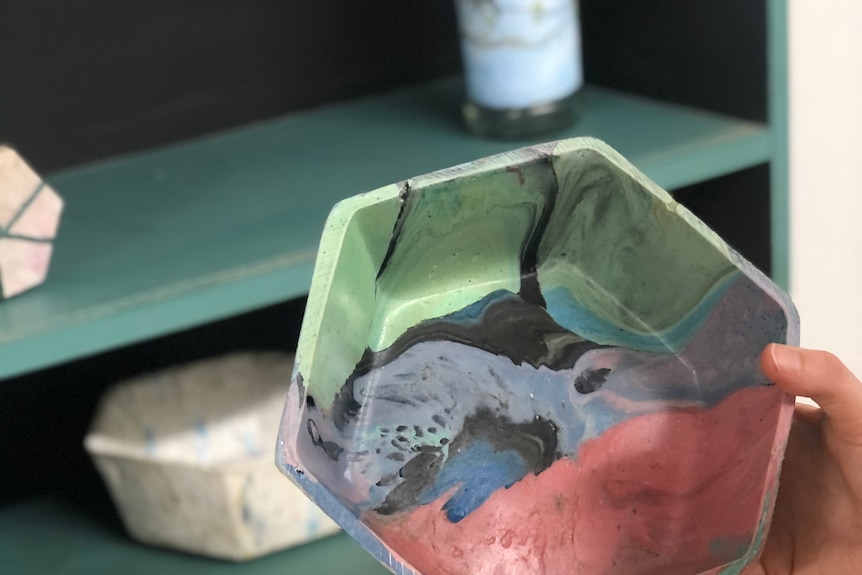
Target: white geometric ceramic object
(187,455)
(29,216)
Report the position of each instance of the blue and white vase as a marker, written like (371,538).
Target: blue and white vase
(522,63)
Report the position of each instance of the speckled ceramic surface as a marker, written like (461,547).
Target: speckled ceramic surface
(187,457)
(538,362)
(29,216)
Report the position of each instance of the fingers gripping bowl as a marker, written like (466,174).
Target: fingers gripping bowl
(538,362)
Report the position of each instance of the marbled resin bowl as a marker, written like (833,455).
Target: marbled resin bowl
(187,457)
(538,363)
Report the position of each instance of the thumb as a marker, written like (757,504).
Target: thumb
(822,377)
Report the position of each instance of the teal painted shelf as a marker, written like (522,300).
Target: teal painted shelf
(80,545)
(179,236)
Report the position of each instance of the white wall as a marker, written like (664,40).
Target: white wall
(826,174)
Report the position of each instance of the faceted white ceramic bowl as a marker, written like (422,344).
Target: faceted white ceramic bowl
(187,458)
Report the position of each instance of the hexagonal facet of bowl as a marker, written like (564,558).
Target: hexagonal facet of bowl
(538,363)
(186,455)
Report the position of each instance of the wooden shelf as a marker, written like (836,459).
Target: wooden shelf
(81,545)
(179,236)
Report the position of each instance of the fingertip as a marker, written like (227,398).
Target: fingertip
(800,371)
(821,376)
(783,365)
(767,363)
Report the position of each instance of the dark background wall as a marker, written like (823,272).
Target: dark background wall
(87,79)
(91,78)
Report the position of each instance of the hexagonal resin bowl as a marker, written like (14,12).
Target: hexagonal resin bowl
(538,362)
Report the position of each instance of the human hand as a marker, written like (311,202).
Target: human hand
(817,525)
